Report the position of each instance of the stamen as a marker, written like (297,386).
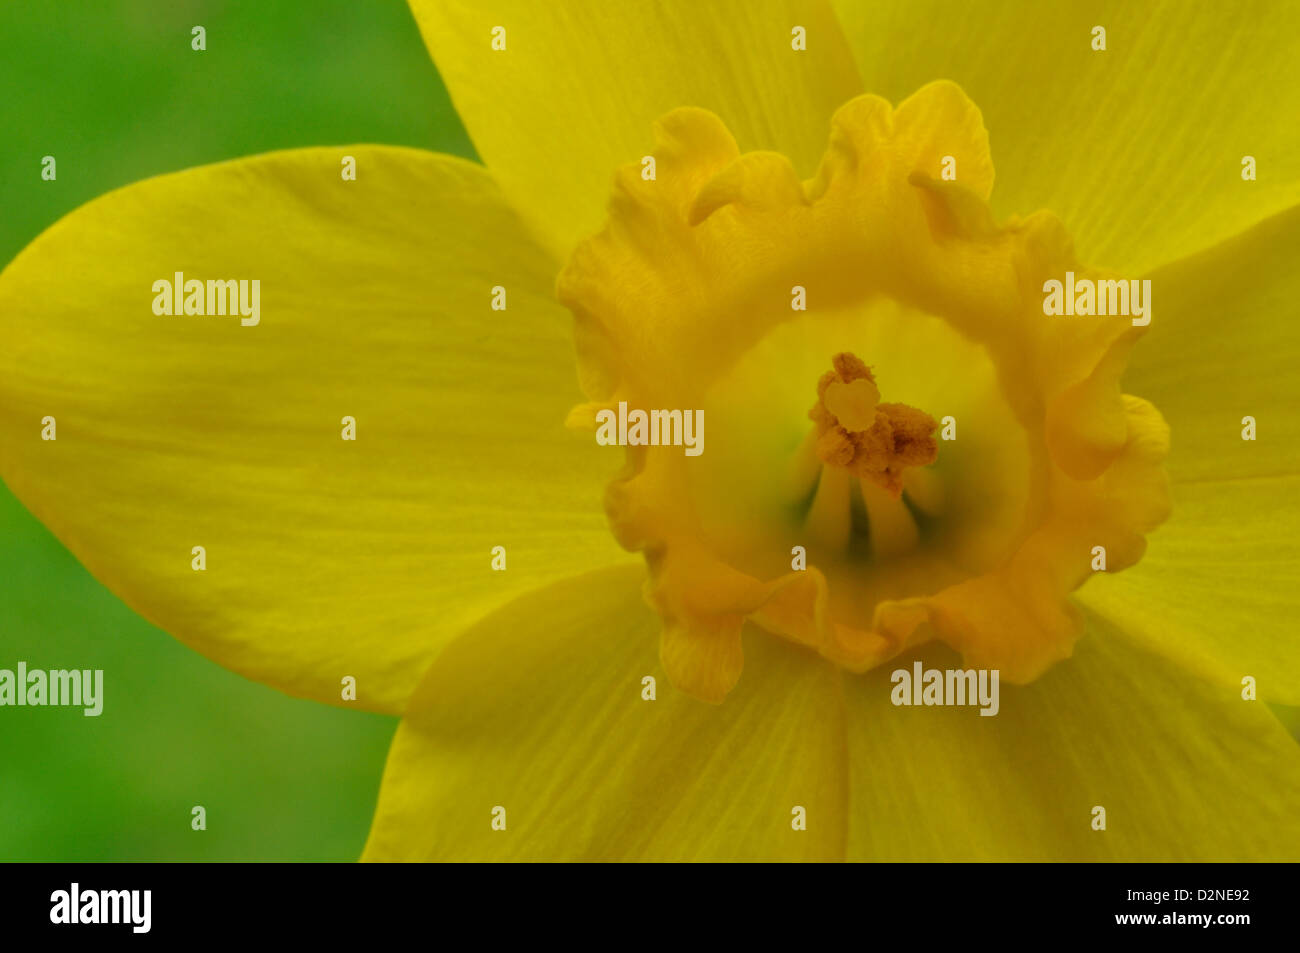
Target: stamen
(828,522)
(893,529)
(871,440)
(858,436)
(924,488)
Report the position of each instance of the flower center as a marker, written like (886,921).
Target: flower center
(875,442)
(851,535)
(858,433)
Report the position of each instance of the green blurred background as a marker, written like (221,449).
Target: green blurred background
(113,91)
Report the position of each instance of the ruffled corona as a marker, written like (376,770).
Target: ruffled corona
(685,300)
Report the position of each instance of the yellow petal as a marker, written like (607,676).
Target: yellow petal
(575,91)
(1219,579)
(539,711)
(325,558)
(1184,768)
(1137,148)
(1223,345)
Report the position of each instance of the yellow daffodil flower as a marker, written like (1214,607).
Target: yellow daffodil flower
(389,479)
